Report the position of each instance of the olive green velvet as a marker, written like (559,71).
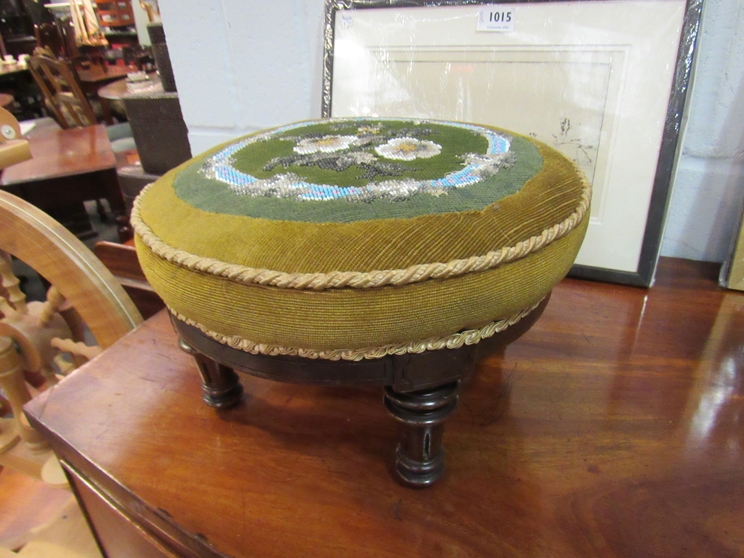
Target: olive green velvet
(177,210)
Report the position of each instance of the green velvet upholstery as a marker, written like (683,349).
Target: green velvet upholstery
(357,234)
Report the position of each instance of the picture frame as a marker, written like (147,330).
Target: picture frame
(603,81)
(732,270)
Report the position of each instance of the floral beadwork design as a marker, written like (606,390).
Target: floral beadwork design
(408,149)
(324,144)
(382,154)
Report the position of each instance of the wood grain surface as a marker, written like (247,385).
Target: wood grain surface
(67,168)
(613,428)
(56,152)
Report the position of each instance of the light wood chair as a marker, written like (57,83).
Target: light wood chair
(63,95)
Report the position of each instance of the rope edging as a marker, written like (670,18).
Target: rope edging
(453,341)
(356,279)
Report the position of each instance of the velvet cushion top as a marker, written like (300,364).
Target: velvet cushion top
(350,238)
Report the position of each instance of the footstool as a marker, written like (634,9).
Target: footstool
(361,251)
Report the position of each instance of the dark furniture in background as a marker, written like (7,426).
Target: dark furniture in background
(17,19)
(115,13)
(18,82)
(158,128)
(162,58)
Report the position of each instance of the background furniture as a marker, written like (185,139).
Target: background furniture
(610,429)
(16,26)
(58,527)
(16,80)
(67,92)
(93,78)
(162,58)
(57,37)
(115,13)
(158,128)
(67,168)
(121,261)
(63,95)
(159,131)
(33,335)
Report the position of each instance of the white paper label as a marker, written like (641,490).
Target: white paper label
(496,18)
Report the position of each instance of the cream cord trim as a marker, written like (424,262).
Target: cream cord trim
(454,341)
(356,279)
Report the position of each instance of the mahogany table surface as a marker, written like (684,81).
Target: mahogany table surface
(67,168)
(120,88)
(613,428)
(95,75)
(57,152)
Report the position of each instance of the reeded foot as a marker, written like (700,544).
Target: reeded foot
(420,456)
(221,387)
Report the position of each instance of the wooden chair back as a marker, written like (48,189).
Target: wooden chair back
(59,37)
(62,93)
(48,37)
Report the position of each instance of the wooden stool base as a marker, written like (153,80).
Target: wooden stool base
(420,390)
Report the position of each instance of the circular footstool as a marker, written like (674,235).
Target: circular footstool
(361,251)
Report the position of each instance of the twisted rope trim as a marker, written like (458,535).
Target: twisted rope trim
(454,341)
(356,279)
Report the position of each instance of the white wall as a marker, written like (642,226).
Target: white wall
(244,65)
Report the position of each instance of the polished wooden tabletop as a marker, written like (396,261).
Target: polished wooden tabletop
(613,428)
(96,74)
(57,152)
(123,87)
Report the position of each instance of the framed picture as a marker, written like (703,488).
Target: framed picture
(603,81)
(732,270)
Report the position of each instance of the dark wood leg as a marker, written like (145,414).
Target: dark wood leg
(221,387)
(125,230)
(420,456)
(109,186)
(101,210)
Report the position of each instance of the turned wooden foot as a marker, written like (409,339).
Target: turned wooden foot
(420,456)
(221,387)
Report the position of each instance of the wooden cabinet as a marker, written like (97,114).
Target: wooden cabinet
(115,13)
(116,532)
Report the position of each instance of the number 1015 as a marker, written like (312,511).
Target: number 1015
(499,17)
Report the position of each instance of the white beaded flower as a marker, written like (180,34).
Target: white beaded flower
(408,149)
(325,144)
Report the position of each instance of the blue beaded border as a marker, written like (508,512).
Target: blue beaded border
(220,167)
